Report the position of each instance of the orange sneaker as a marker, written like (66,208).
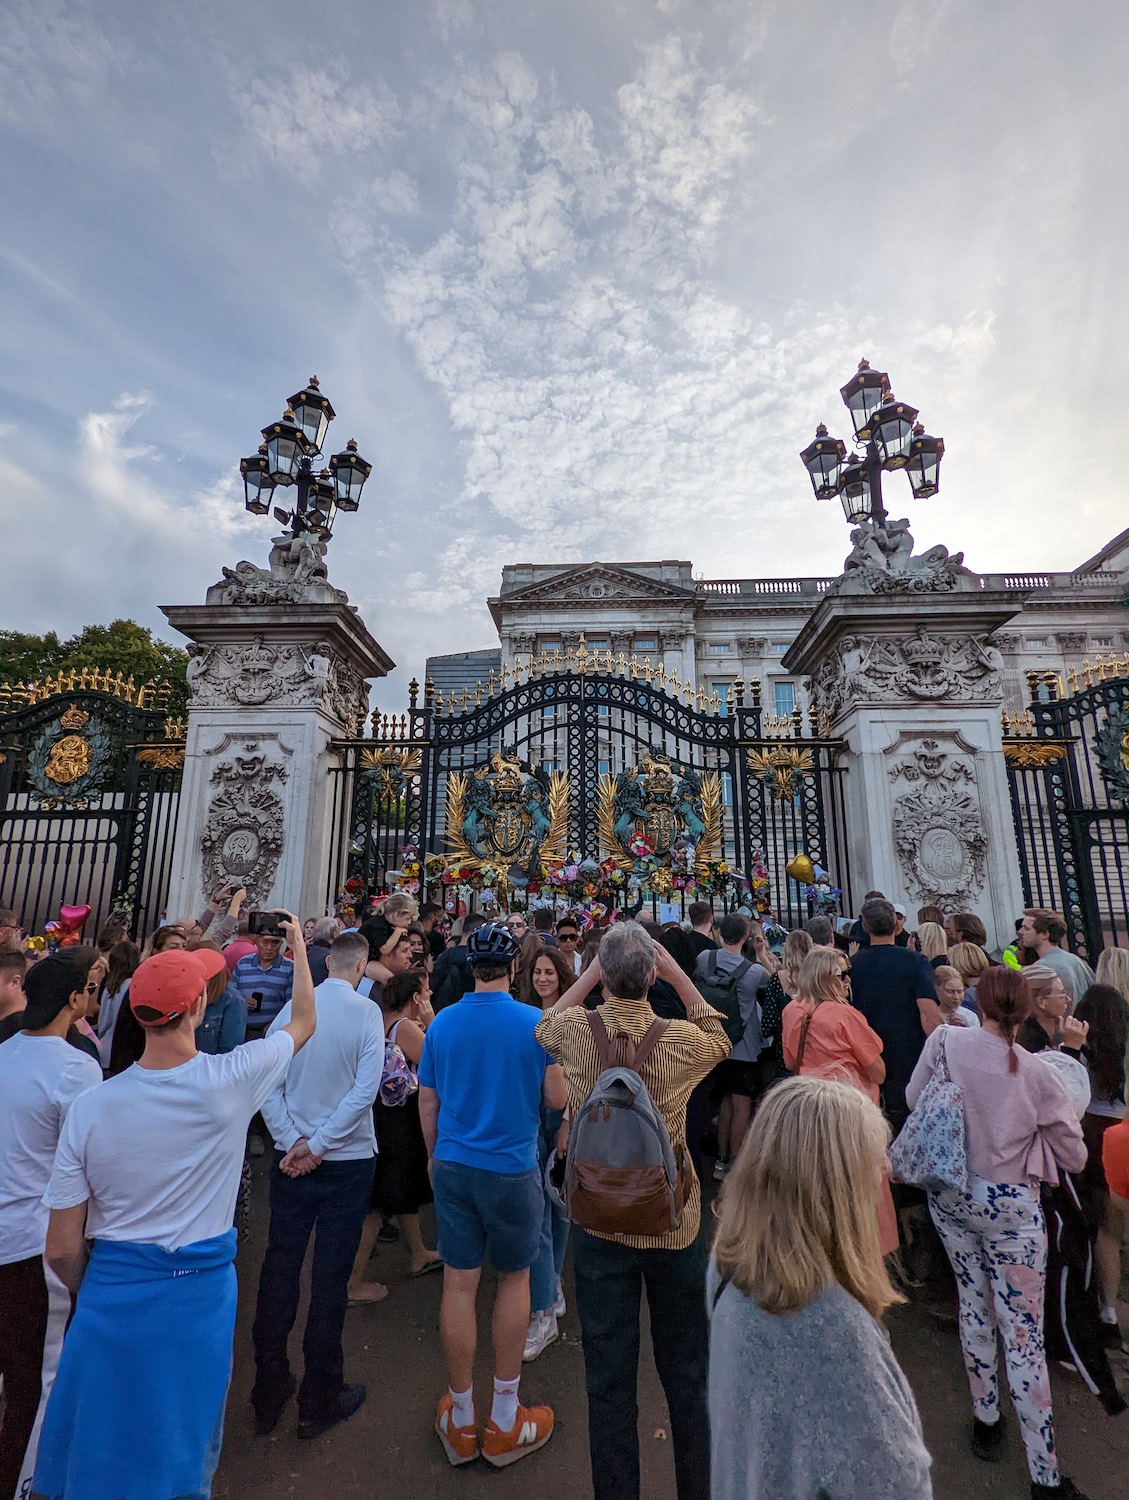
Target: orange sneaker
(532,1430)
(460,1443)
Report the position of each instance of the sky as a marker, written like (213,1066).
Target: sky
(579,276)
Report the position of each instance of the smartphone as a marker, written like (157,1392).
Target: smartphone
(256,1000)
(263,924)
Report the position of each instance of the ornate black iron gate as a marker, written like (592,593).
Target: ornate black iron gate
(572,757)
(1068,768)
(90,770)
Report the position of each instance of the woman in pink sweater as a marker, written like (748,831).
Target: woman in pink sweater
(1020,1128)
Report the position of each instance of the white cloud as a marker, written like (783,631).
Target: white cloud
(317,112)
(52,54)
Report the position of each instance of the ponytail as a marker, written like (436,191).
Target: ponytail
(1002,996)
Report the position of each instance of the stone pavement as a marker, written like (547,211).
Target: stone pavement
(388,1448)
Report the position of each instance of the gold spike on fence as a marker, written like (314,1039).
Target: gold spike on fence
(150,695)
(1090,673)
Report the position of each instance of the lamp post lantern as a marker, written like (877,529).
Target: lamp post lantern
(889,436)
(286,457)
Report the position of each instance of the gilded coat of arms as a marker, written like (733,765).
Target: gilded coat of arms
(506,814)
(664,802)
(68,759)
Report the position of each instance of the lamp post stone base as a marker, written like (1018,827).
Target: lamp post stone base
(912,684)
(279,669)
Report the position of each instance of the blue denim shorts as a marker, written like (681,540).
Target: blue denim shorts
(482,1215)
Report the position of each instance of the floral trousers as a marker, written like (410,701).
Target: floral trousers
(996,1239)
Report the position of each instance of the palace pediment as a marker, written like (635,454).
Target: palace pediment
(594,584)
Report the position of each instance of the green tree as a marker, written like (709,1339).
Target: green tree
(122,646)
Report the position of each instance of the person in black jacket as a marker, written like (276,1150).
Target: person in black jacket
(451,978)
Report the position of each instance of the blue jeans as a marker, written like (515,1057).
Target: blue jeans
(609,1282)
(334,1198)
(545,1272)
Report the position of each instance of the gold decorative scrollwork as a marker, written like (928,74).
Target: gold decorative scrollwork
(391,768)
(68,759)
(502,814)
(162,757)
(781,766)
(1033,754)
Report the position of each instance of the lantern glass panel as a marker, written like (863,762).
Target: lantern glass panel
(892,429)
(258,486)
(854,492)
(311,414)
(924,465)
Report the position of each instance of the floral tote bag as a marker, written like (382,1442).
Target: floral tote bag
(930,1149)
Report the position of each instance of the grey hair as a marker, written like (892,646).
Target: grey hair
(325,930)
(627,961)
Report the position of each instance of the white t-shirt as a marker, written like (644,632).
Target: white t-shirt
(158,1153)
(40,1078)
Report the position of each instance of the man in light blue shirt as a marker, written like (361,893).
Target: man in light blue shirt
(325,1144)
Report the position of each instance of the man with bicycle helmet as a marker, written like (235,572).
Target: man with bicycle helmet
(482,1079)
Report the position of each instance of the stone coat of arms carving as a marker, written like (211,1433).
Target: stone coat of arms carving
(243,835)
(937,828)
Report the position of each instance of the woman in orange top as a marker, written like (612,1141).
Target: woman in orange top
(823,1034)
(826,1037)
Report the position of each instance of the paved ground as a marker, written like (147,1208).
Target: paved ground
(388,1447)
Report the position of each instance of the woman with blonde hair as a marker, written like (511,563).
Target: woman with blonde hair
(825,1037)
(805,1395)
(970,961)
(933,942)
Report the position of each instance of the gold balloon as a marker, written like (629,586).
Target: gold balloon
(801,868)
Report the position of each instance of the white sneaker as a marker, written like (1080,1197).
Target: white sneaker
(560,1306)
(542,1333)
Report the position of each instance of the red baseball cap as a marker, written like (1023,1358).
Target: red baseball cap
(169,984)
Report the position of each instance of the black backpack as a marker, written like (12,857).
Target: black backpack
(719,987)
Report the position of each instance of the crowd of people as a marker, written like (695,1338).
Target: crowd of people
(556,1090)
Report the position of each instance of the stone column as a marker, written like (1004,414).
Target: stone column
(913,684)
(279,668)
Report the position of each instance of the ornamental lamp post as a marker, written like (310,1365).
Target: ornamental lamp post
(889,436)
(286,457)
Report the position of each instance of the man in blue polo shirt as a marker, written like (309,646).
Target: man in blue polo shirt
(482,1079)
(265,979)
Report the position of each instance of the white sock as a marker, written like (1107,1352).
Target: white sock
(1109,1314)
(463,1413)
(503,1412)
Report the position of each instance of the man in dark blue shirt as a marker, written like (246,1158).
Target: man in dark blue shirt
(893,987)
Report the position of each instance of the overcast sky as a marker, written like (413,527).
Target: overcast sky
(580,276)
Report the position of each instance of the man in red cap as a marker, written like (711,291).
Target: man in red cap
(148,1168)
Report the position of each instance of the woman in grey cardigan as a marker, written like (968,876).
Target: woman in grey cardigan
(807,1401)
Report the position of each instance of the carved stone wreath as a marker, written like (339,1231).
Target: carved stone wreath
(243,836)
(937,828)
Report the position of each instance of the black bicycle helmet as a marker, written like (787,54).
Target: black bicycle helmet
(492,943)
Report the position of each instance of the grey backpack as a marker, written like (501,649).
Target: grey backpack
(622,1175)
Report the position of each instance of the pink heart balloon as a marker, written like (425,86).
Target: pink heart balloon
(73,917)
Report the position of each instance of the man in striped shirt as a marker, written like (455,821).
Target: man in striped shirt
(265,979)
(611,1270)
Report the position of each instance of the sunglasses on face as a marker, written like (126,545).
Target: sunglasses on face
(568,937)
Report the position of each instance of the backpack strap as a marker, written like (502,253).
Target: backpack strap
(637,1052)
(647,1043)
(608,1058)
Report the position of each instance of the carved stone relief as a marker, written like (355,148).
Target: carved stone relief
(523,645)
(882,562)
(297,575)
(283,675)
(1070,640)
(923,668)
(752,645)
(621,640)
(243,832)
(937,826)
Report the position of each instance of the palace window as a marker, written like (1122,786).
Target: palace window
(597,643)
(1102,642)
(778,648)
(1036,643)
(719,648)
(551,643)
(785,696)
(645,643)
(722,690)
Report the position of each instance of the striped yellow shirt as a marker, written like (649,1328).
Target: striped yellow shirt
(686,1053)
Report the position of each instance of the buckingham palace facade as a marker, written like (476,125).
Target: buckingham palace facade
(713,631)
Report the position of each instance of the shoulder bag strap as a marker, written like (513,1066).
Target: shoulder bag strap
(944,1061)
(804,1029)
